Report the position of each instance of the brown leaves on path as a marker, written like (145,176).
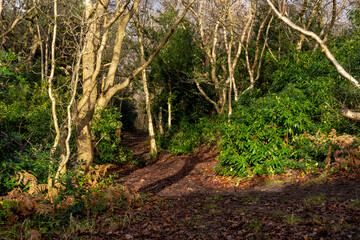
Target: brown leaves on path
(189,201)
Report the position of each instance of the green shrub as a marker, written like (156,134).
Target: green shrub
(34,159)
(107,130)
(188,136)
(265,136)
(6,210)
(25,122)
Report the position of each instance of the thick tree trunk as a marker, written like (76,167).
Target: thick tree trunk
(85,146)
(85,111)
(91,102)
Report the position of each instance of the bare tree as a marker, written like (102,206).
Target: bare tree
(153,148)
(206,23)
(234,15)
(257,60)
(92,102)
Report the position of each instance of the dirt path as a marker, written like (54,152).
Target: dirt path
(188,201)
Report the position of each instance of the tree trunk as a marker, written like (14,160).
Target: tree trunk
(160,122)
(351,114)
(85,111)
(169,111)
(153,148)
(91,102)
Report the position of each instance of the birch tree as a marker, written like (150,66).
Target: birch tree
(153,147)
(234,15)
(207,23)
(92,102)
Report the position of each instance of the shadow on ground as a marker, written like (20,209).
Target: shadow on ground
(187,201)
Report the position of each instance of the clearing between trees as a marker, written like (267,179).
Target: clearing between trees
(187,200)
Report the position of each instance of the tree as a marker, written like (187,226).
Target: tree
(153,147)
(91,102)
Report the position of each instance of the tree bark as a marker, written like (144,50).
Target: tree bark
(160,125)
(169,111)
(351,114)
(85,110)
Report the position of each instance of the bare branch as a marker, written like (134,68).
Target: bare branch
(16,21)
(325,49)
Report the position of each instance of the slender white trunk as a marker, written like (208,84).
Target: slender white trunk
(53,99)
(169,111)
(230,90)
(153,148)
(161,122)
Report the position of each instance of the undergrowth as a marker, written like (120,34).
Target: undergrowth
(184,138)
(79,203)
(295,123)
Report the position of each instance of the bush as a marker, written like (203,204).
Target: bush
(107,131)
(188,136)
(34,159)
(265,133)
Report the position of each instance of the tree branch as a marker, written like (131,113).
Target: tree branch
(325,49)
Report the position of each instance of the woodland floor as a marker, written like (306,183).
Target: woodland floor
(187,200)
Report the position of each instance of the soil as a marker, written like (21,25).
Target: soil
(186,199)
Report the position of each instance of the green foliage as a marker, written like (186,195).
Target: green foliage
(34,159)
(24,106)
(265,135)
(6,210)
(85,199)
(188,136)
(79,202)
(106,130)
(172,73)
(25,123)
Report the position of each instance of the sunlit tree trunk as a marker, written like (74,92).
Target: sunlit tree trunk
(53,99)
(161,129)
(1,6)
(86,110)
(169,110)
(153,148)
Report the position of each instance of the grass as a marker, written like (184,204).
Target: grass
(215,197)
(251,199)
(355,203)
(314,201)
(292,219)
(315,181)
